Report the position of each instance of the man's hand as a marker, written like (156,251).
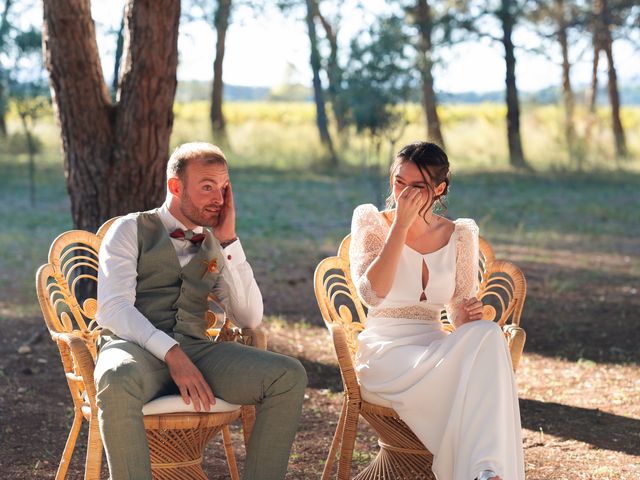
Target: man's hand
(189,380)
(225,230)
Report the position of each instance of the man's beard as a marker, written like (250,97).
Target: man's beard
(199,216)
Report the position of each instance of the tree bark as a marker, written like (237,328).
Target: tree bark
(4,30)
(3,109)
(221,21)
(612,84)
(567,92)
(614,100)
(31,149)
(508,20)
(318,93)
(593,89)
(334,72)
(424,22)
(114,154)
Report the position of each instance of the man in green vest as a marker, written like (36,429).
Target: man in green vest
(157,269)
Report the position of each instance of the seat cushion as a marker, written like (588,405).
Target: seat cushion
(175,404)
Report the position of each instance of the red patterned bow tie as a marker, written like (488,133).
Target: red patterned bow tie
(195,238)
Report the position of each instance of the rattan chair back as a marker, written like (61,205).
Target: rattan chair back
(502,290)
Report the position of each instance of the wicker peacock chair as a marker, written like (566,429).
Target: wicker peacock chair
(401,454)
(66,287)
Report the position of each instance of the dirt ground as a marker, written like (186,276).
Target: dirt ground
(579,381)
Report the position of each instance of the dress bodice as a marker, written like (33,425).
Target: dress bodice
(407,288)
(452,269)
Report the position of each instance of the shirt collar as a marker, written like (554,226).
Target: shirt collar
(171,223)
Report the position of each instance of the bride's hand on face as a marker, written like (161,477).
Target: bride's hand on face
(409,203)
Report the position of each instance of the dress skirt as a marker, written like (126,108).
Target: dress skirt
(457,392)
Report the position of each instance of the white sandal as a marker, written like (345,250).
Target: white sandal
(486,475)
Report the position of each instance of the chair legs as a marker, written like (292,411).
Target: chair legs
(177,443)
(93,463)
(248,419)
(335,443)
(402,456)
(398,465)
(69,447)
(349,427)
(348,440)
(176,452)
(228,450)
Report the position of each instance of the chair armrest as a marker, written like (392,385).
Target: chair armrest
(345,362)
(254,337)
(516,336)
(82,361)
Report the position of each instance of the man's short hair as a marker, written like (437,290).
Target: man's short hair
(201,151)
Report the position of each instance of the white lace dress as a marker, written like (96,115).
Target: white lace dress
(457,391)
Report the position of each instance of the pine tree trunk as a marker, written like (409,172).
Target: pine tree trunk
(593,89)
(3,109)
(424,21)
(614,100)
(603,41)
(31,149)
(4,31)
(334,72)
(318,93)
(612,84)
(567,91)
(516,155)
(114,154)
(218,124)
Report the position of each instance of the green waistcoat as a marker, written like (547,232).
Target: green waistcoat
(173,298)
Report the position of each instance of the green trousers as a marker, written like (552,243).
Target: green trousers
(128,376)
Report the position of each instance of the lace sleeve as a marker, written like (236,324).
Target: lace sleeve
(367,239)
(466,266)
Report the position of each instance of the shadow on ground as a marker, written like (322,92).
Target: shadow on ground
(595,427)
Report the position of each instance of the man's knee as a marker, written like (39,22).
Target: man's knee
(118,382)
(294,375)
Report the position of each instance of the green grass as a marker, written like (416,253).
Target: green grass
(292,210)
(283,135)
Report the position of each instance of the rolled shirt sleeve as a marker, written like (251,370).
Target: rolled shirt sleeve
(243,297)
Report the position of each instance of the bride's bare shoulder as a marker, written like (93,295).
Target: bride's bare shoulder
(444,221)
(388,215)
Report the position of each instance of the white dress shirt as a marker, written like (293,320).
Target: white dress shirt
(117,280)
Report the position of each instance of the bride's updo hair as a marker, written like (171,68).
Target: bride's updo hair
(434,168)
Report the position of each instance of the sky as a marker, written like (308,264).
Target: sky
(261,50)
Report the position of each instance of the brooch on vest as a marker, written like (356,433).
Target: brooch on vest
(212,266)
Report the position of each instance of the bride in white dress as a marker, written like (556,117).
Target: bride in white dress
(457,391)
